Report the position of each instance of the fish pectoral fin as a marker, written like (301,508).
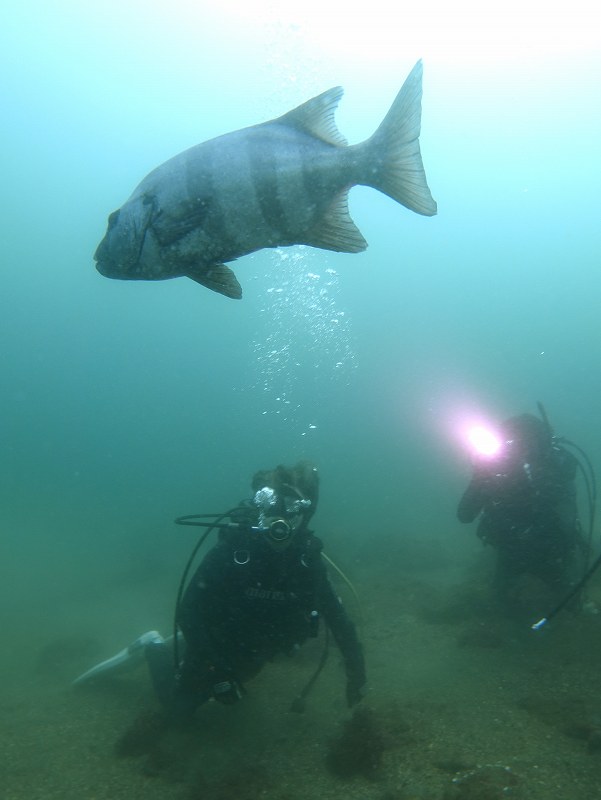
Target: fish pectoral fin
(218,278)
(170,228)
(336,230)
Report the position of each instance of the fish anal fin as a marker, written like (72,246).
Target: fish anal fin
(218,278)
(316,117)
(336,230)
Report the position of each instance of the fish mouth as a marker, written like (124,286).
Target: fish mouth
(106,268)
(104,263)
(100,254)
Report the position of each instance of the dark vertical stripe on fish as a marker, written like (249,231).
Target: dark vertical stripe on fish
(221,233)
(265,178)
(318,184)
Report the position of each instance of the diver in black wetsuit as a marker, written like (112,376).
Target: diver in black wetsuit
(256,594)
(525,497)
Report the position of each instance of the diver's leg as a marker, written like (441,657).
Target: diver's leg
(159,658)
(192,688)
(504,574)
(126,659)
(508,571)
(180,695)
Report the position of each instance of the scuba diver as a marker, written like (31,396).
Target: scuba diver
(260,591)
(524,494)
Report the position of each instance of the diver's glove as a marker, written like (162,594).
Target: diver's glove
(227,691)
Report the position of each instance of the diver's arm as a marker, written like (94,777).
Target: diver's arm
(201,602)
(204,669)
(473,500)
(345,635)
(567,463)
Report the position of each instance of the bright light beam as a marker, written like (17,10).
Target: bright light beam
(483,441)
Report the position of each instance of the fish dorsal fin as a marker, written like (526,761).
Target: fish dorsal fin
(336,230)
(316,117)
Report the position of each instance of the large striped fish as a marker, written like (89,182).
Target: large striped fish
(282,182)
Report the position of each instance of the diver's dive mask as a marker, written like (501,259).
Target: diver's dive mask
(280,515)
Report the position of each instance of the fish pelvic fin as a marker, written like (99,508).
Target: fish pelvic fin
(218,278)
(316,117)
(394,157)
(336,230)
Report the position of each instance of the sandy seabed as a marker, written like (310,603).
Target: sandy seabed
(463,704)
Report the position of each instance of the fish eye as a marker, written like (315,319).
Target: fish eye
(113,219)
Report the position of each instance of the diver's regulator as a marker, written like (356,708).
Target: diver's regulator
(277,514)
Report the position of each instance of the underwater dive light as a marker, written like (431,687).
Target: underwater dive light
(483,441)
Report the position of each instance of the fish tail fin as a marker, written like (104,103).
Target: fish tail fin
(393,155)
